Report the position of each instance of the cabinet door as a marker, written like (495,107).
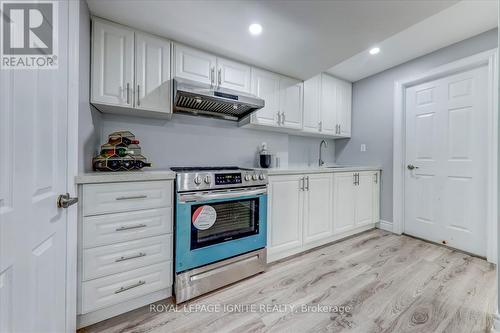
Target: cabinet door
(112,64)
(194,65)
(318,207)
(344,197)
(291,103)
(343,106)
(284,214)
(152,73)
(233,75)
(364,198)
(266,85)
(328,113)
(311,104)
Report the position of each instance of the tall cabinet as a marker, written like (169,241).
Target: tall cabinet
(130,71)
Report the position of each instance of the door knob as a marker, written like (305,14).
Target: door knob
(64,201)
(411,167)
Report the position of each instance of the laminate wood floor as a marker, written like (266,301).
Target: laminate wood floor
(389,283)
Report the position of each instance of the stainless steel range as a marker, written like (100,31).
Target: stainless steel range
(220,227)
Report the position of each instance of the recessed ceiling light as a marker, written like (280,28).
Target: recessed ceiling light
(374,50)
(255,29)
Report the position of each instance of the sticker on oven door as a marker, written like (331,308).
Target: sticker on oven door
(204,217)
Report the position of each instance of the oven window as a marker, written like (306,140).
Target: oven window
(234,219)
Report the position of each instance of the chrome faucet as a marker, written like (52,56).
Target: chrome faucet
(321,162)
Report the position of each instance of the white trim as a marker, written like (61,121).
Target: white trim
(488,58)
(496,323)
(72,161)
(385,225)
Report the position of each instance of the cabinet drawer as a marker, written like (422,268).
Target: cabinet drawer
(123,197)
(121,227)
(113,289)
(121,257)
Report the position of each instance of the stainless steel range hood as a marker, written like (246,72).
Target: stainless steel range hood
(205,100)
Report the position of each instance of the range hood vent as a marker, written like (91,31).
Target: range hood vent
(203,100)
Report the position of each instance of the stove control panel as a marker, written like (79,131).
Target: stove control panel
(227,178)
(206,180)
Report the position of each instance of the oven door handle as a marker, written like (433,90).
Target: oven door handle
(200,197)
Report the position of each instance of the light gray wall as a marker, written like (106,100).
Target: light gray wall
(89,119)
(373,108)
(196,141)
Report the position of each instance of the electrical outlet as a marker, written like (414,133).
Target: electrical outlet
(363,147)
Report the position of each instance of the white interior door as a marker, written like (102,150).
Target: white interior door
(446,142)
(33,166)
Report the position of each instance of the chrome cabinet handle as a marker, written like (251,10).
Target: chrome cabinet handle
(376,178)
(212,74)
(279,118)
(128,89)
(340,128)
(320,126)
(219,77)
(354,178)
(138,96)
(282,118)
(122,289)
(137,226)
(301,183)
(132,197)
(307,187)
(138,255)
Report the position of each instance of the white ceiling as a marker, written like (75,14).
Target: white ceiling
(458,22)
(300,38)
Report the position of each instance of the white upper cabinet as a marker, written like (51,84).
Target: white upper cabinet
(130,71)
(328,112)
(343,96)
(327,106)
(112,64)
(194,65)
(312,90)
(233,75)
(152,73)
(291,103)
(266,85)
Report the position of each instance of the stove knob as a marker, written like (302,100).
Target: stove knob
(247,177)
(261,176)
(207,179)
(254,177)
(197,180)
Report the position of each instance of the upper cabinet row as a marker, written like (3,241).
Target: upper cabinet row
(132,74)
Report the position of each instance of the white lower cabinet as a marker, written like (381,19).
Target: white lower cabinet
(285,214)
(356,200)
(125,247)
(309,210)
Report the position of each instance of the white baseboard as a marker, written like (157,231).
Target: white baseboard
(384,225)
(496,323)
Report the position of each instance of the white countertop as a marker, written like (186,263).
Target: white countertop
(124,176)
(326,169)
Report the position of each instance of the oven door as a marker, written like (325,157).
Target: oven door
(212,226)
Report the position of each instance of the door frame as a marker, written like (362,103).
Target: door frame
(488,58)
(74,87)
